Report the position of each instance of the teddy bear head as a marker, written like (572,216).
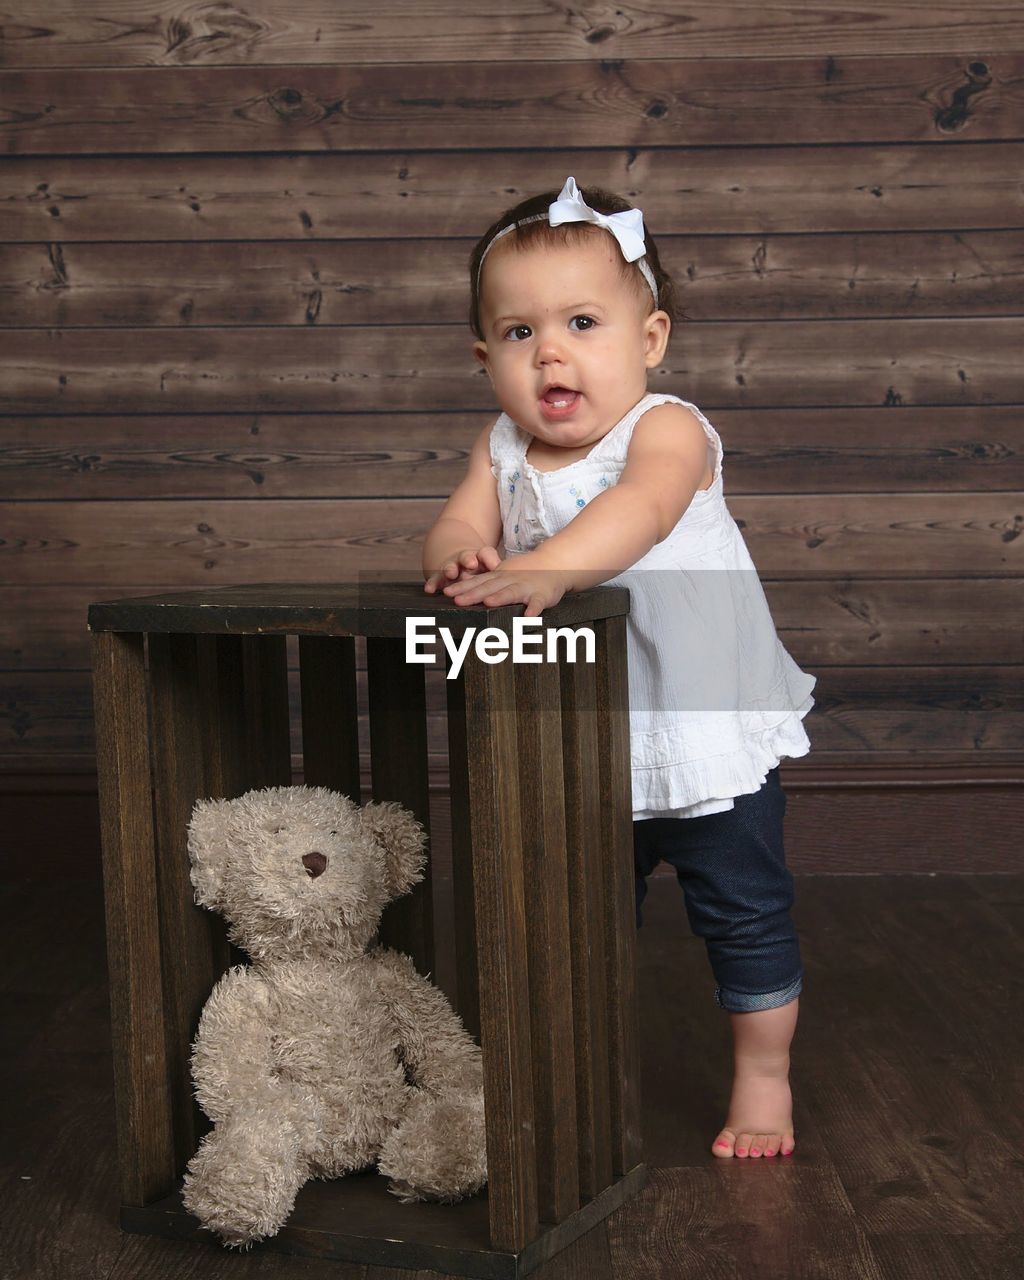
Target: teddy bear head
(302,870)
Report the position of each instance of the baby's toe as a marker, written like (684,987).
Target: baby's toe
(743,1142)
(724,1144)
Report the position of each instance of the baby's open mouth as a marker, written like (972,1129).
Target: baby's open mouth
(560,397)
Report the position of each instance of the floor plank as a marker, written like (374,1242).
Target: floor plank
(921,1102)
(745,1218)
(58,1160)
(923,1256)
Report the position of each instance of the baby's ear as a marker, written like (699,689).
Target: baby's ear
(400,839)
(208,850)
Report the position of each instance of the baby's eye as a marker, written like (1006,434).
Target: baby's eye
(588,323)
(518,332)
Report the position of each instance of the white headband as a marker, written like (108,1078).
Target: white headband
(627,227)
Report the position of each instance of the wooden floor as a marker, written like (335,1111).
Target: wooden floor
(907,1081)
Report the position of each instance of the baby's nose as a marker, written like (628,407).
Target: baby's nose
(550,342)
(315,864)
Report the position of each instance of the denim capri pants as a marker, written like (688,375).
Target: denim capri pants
(738,892)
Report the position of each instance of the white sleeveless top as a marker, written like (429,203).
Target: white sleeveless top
(715,700)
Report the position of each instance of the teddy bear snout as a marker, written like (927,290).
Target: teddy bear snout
(315,864)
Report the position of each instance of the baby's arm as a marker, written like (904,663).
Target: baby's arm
(464,537)
(664,467)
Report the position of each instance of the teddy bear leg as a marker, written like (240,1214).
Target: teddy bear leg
(438,1151)
(242,1181)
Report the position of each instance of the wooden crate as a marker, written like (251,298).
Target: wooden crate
(543,891)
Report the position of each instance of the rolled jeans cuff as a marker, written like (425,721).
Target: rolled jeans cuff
(752,1002)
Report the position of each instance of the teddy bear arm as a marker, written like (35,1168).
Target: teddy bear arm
(233,1055)
(438,1052)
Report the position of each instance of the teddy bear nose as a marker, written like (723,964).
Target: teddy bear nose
(315,864)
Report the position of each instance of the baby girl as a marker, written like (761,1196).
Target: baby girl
(587,478)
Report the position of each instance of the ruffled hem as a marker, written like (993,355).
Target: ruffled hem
(720,777)
(700,810)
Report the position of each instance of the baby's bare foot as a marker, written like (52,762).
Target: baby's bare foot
(760,1119)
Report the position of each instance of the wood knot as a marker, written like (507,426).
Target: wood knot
(952,118)
(288,96)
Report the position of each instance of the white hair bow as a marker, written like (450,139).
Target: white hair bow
(627,227)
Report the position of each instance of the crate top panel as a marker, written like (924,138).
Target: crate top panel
(362,608)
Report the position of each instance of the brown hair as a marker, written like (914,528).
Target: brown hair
(541,232)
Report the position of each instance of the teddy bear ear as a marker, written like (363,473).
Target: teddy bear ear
(207,849)
(401,839)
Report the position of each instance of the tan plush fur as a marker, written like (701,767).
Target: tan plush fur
(329,1053)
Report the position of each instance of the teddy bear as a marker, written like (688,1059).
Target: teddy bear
(329,1053)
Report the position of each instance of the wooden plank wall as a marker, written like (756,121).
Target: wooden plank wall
(234,343)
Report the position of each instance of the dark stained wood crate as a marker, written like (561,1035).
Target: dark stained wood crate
(542,879)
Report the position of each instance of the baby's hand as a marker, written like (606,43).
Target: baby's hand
(514,583)
(463,564)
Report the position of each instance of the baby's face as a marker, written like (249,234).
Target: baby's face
(567,339)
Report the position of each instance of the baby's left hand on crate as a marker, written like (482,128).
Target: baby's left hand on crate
(538,589)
